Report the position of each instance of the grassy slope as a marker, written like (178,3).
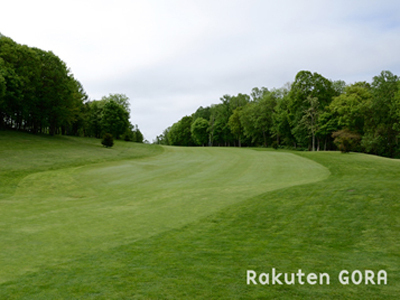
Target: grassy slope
(55,215)
(175,242)
(22,154)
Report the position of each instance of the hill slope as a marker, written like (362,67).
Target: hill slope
(189,222)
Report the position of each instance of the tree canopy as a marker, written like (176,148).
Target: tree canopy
(313,113)
(39,94)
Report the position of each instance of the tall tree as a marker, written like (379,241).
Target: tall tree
(281,128)
(258,93)
(11,105)
(219,131)
(38,93)
(199,130)
(180,132)
(202,112)
(235,125)
(310,118)
(350,109)
(381,135)
(114,119)
(120,99)
(257,118)
(306,85)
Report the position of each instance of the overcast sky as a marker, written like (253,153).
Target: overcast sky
(170,57)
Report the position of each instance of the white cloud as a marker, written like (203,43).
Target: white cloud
(171,57)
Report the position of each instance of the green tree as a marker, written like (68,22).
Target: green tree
(220,133)
(339,86)
(381,129)
(14,72)
(346,140)
(199,130)
(202,112)
(180,132)
(108,140)
(281,128)
(114,119)
(238,101)
(350,109)
(93,117)
(306,85)
(56,92)
(258,93)
(257,118)
(162,139)
(327,124)
(79,97)
(120,99)
(310,118)
(137,135)
(235,125)
(3,87)
(38,93)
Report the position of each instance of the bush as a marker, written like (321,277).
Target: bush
(346,140)
(275,145)
(108,140)
(128,137)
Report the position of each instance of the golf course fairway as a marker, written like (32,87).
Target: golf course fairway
(60,214)
(78,221)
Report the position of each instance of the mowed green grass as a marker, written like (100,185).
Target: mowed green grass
(187,223)
(22,154)
(55,215)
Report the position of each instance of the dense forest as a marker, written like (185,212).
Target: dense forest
(312,113)
(38,94)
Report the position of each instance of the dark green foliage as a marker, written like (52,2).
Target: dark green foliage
(37,91)
(257,117)
(346,140)
(93,115)
(304,115)
(275,145)
(307,85)
(108,140)
(138,136)
(133,134)
(382,124)
(199,131)
(281,129)
(39,94)
(235,125)
(121,99)
(114,119)
(180,133)
(162,139)
(220,133)
(351,108)
(202,112)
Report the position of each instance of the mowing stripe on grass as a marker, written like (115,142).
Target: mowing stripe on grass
(56,216)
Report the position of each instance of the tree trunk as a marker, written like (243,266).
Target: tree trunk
(265,139)
(313,142)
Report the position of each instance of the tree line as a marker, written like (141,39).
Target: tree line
(312,113)
(39,94)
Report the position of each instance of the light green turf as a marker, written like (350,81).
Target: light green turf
(22,154)
(56,216)
(145,222)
